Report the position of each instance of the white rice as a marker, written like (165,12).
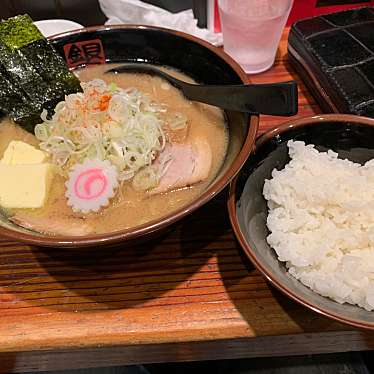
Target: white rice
(321,219)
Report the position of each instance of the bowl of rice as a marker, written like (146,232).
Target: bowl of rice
(302,208)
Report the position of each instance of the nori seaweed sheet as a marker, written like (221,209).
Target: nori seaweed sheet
(10,93)
(30,65)
(50,65)
(19,31)
(20,70)
(14,103)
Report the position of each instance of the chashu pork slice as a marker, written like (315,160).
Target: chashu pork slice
(69,226)
(190,163)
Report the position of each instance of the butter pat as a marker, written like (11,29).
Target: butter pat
(25,186)
(19,152)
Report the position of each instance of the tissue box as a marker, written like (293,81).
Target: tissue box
(199,8)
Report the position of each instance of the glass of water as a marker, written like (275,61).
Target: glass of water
(252,30)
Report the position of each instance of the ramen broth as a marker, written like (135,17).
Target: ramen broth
(131,208)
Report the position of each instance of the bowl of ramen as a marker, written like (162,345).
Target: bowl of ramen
(117,157)
(301,208)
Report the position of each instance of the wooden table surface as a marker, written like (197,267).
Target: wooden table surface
(188,296)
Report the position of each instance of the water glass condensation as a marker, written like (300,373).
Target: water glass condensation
(252,30)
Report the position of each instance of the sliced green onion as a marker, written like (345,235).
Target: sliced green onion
(41,131)
(127,131)
(178,122)
(145,179)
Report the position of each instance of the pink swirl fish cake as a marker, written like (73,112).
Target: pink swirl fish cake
(91,185)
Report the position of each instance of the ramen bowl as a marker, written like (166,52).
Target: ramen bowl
(348,135)
(197,59)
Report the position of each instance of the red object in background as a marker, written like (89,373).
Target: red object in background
(217,20)
(308,8)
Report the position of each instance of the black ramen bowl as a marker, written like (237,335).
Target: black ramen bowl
(348,135)
(192,56)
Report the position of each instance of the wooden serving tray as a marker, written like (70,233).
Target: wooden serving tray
(188,296)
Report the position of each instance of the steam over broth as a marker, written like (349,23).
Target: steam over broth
(130,208)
